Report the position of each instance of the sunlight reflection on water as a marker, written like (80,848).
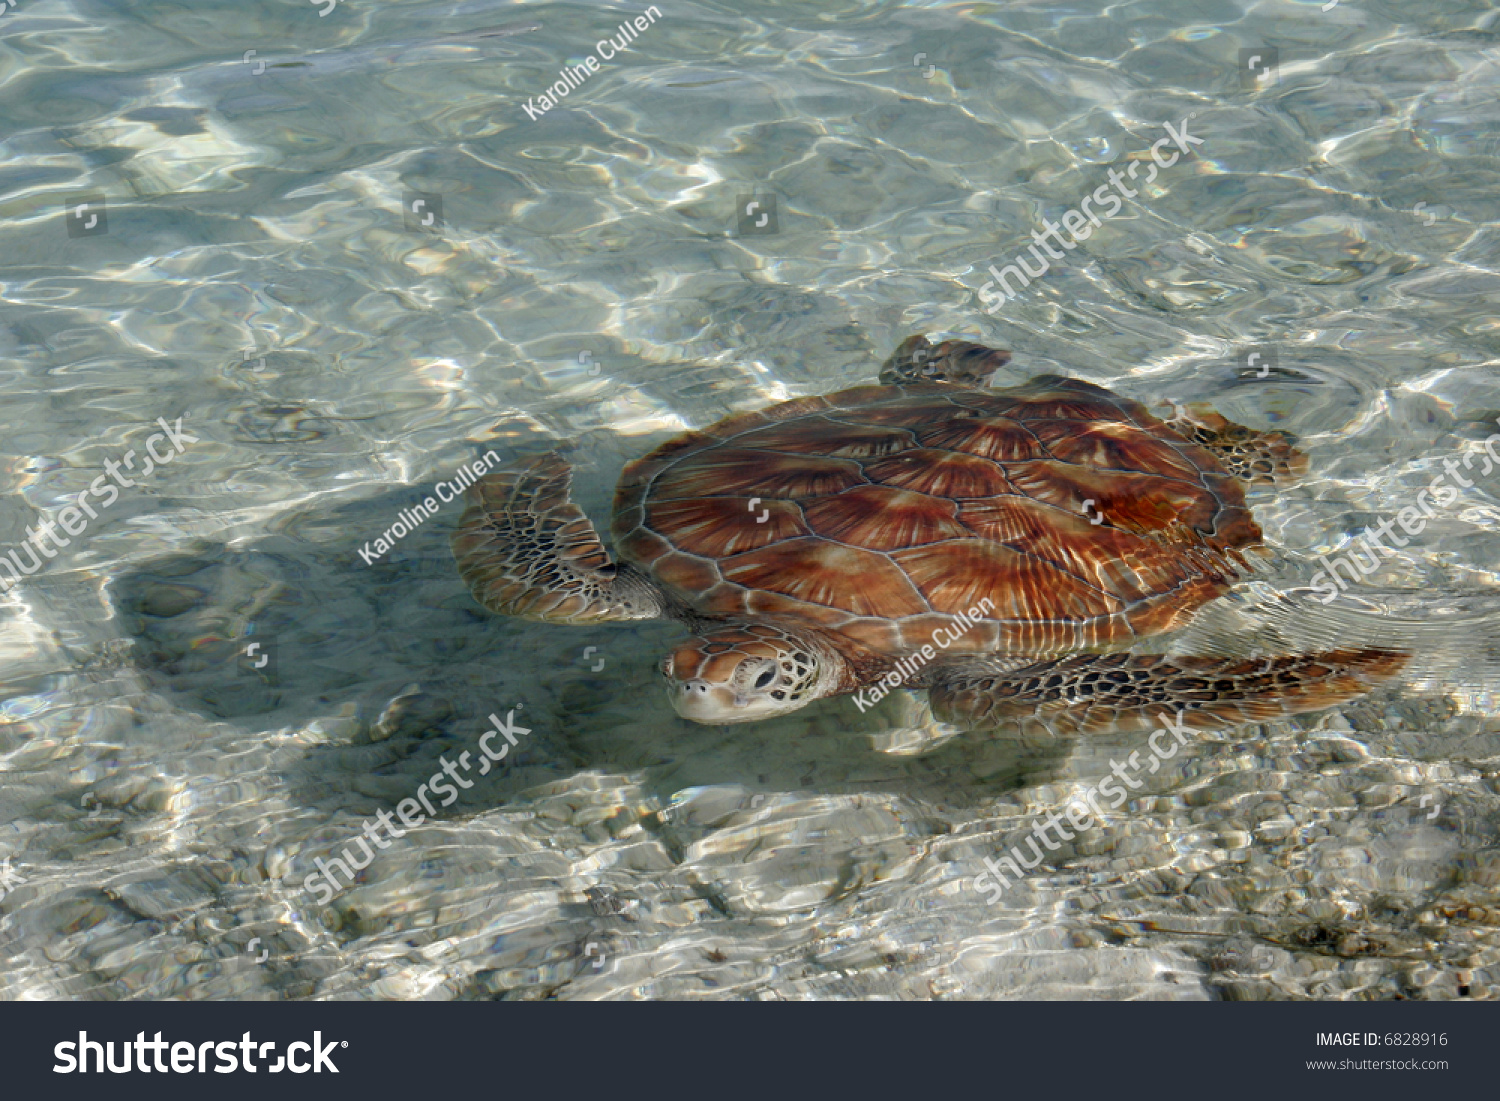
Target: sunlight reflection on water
(589,281)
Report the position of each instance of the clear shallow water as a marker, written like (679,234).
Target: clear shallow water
(163,799)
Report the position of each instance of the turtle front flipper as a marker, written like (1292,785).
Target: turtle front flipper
(1087,692)
(525,549)
(1255,458)
(918,360)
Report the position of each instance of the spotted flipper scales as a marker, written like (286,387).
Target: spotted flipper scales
(1255,458)
(525,549)
(1089,692)
(958,361)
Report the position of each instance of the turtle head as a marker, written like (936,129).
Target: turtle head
(740,674)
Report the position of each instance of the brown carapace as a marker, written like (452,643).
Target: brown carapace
(991,545)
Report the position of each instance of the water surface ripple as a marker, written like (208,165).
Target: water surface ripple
(211,688)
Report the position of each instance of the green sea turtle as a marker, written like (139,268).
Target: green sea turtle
(1000,548)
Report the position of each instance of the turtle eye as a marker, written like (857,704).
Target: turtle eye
(765,679)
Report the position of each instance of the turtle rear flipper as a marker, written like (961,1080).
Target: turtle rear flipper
(1088,692)
(1255,458)
(525,549)
(959,361)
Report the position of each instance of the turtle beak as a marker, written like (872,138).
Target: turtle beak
(712,704)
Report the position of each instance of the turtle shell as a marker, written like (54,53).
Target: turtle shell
(1048,518)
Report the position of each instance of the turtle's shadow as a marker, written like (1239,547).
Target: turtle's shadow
(393,667)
